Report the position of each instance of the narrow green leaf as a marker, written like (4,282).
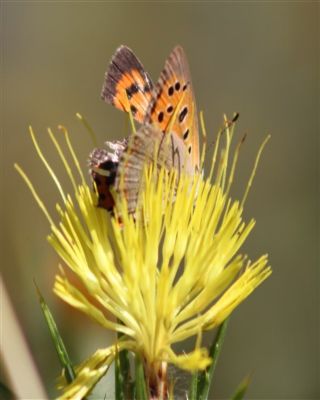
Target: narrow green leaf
(193,391)
(57,340)
(140,381)
(205,377)
(242,389)
(119,379)
(123,380)
(6,393)
(122,375)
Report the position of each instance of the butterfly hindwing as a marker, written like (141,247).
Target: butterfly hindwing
(173,104)
(170,153)
(127,85)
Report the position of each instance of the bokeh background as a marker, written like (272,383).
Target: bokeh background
(257,58)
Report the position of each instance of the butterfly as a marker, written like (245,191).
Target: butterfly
(168,117)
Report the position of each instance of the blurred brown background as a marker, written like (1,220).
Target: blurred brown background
(258,58)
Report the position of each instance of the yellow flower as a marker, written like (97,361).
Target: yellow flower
(166,274)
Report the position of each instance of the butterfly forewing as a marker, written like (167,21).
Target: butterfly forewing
(127,86)
(173,105)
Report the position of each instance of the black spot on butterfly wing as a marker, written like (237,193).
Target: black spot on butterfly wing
(183,114)
(133,109)
(160,116)
(186,134)
(131,90)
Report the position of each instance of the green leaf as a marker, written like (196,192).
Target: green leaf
(6,393)
(123,380)
(242,389)
(193,391)
(140,381)
(57,340)
(201,380)
(122,375)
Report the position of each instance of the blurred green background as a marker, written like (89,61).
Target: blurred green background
(258,58)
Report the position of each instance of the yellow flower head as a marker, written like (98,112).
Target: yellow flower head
(165,274)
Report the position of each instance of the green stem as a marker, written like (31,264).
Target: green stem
(140,381)
(194,386)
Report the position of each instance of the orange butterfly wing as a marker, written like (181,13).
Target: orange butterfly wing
(173,104)
(127,85)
